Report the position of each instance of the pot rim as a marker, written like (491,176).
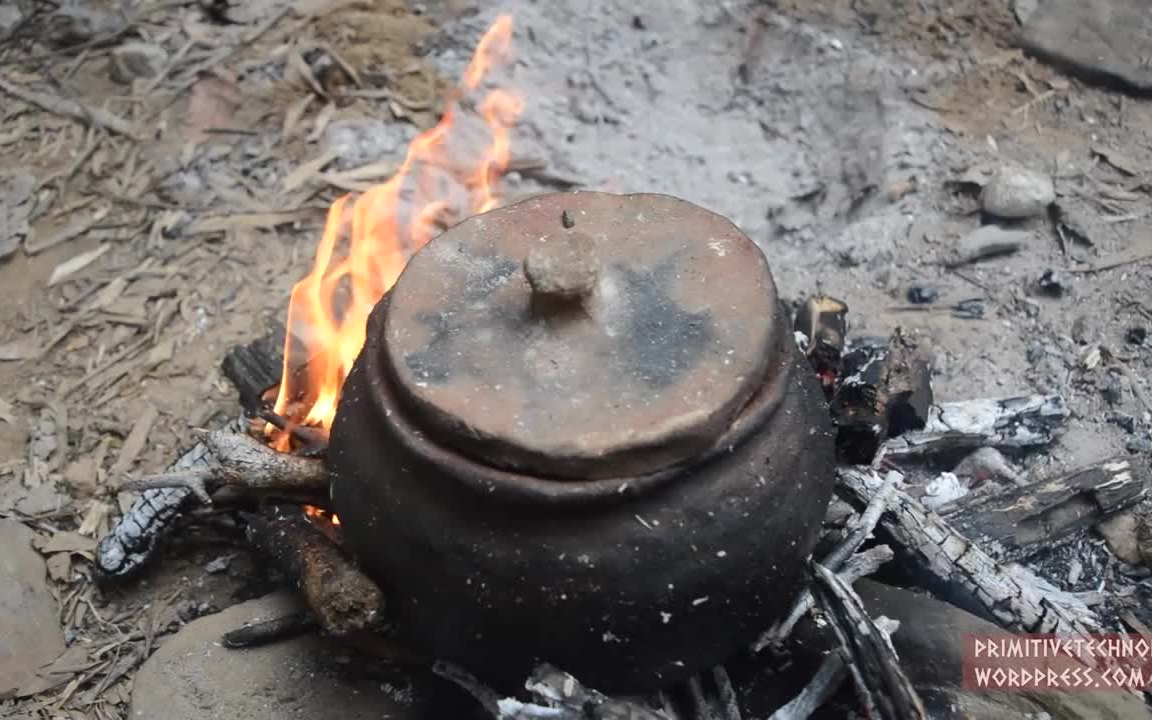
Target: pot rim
(388,408)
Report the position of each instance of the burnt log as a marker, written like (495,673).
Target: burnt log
(1009,594)
(885,391)
(1013,524)
(960,427)
(256,367)
(343,599)
(137,536)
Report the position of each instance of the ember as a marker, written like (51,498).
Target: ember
(449,173)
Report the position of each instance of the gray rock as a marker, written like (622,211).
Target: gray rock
(1144,539)
(137,60)
(1016,193)
(75,24)
(10,17)
(31,634)
(1109,39)
(1113,390)
(193,677)
(1120,532)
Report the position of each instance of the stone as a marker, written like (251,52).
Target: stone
(1053,283)
(137,60)
(10,17)
(1113,390)
(1023,9)
(1136,335)
(1120,531)
(31,634)
(1123,420)
(1084,329)
(1099,39)
(193,677)
(77,23)
(1016,193)
(923,294)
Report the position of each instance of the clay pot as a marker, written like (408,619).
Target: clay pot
(580,432)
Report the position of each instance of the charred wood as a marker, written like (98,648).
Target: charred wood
(885,391)
(872,661)
(256,367)
(958,427)
(244,463)
(136,537)
(1012,524)
(1011,595)
(821,327)
(342,598)
(269,631)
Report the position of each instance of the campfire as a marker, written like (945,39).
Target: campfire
(392,419)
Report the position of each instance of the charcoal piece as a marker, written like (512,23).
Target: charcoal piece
(1136,335)
(923,294)
(1053,283)
(269,631)
(822,324)
(886,391)
(255,367)
(136,537)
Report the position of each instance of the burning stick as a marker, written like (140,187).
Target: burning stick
(879,678)
(241,462)
(343,599)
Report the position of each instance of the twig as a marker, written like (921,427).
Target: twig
(873,663)
(864,524)
(71,109)
(818,691)
(858,566)
(195,480)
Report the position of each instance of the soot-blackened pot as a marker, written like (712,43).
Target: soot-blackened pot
(580,432)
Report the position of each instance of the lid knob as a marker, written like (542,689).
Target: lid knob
(562,267)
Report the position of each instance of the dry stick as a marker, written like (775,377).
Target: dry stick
(1013,596)
(269,631)
(872,659)
(71,109)
(863,528)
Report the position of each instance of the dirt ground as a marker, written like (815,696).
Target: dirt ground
(833,132)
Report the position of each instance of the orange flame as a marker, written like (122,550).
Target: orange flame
(449,173)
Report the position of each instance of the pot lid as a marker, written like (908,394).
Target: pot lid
(582,335)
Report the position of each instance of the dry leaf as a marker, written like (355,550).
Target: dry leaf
(211,105)
(74,265)
(162,353)
(69,542)
(6,412)
(60,567)
(135,442)
(294,115)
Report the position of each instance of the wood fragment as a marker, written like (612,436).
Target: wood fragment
(269,631)
(861,529)
(342,598)
(1012,524)
(71,109)
(1015,422)
(872,660)
(134,443)
(69,233)
(70,267)
(858,566)
(242,463)
(1011,595)
(824,684)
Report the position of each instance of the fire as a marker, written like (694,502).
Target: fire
(450,172)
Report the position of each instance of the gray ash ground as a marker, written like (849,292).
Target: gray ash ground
(833,132)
